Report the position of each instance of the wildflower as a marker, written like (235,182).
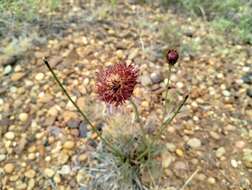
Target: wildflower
(172,56)
(115,84)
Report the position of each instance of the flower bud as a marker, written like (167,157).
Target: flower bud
(172,56)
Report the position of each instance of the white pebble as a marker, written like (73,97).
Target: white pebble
(39,76)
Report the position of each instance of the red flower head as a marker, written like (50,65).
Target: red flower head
(172,56)
(115,84)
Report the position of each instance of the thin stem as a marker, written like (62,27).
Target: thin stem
(167,89)
(79,110)
(169,120)
(137,118)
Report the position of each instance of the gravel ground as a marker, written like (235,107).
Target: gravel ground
(44,144)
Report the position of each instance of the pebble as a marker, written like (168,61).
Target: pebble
(39,76)
(57,178)
(167,160)
(10,135)
(7,70)
(234,163)
(83,158)
(49,172)
(83,130)
(247,78)
(69,145)
(81,177)
(30,173)
(17,76)
(240,144)
(171,147)
(156,77)
(31,184)
(9,168)
(145,80)
(23,117)
(180,85)
(214,135)
(194,143)
(65,170)
(31,156)
(211,180)
(220,152)
(53,111)
(2,157)
(249,92)
(226,93)
(247,157)
(62,158)
(179,152)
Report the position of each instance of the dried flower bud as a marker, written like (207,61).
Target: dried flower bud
(172,56)
(115,84)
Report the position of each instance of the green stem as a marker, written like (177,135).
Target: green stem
(169,120)
(137,118)
(167,89)
(79,110)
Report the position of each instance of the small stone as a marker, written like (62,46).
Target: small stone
(17,76)
(214,135)
(82,177)
(20,185)
(234,163)
(83,130)
(69,145)
(53,111)
(9,135)
(49,172)
(31,184)
(30,173)
(7,70)
(23,117)
(57,178)
(201,177)
(83,158)
(240,144)
(65,170)
(133,53)
(226,93)
(211,180)
(167,160)
(179,152)
(171,147)
(31,156)
(39,76)
(220,152)
(249,92)
(194,143)
(156,77)
(2,157)
(145,80)
(9,168)
(73,123)
(81,102)
(247,157)
(247,78)
(62,158)
(180,85)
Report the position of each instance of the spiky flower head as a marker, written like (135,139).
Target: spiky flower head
(116,83)
(172,56)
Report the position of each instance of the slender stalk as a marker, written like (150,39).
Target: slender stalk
(164,124)
(169,120)
(167,89)
(79,110)
(137,118)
